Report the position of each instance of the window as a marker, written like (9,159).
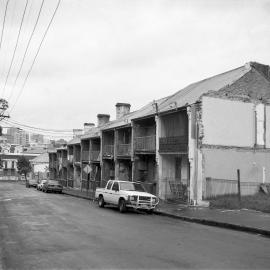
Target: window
(115,186)
(109,185)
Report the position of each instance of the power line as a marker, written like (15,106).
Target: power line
(15,49)
(3,26)
(47,133)
(41,129)
(31,67)
(26,50)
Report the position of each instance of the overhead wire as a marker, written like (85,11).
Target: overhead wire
(26,51)
(15,49)
(41,129)
(3,25)
(48,133)
(31,67)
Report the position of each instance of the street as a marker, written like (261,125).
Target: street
(57,231)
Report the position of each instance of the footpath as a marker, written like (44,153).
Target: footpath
(242,220)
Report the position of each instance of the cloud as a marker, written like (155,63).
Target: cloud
(100,52)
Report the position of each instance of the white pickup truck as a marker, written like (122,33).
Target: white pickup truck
(125,194)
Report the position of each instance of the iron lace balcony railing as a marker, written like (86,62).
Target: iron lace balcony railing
(108,150)
(145,144)
(173,144)
(124,149)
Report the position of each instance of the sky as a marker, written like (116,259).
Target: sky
(97,53)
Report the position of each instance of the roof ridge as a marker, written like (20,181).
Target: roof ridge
(186,87)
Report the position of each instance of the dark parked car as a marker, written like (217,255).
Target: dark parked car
(53,186)
(31,183)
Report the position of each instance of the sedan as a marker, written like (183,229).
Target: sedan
(53,186)
(31,183)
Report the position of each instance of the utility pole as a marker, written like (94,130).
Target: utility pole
(3,108)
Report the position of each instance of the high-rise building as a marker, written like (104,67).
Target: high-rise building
(17,136)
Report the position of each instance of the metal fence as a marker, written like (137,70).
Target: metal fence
(215,187)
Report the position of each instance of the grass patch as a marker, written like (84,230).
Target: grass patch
(259,202)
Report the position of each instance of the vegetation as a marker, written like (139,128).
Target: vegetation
(24,166)
(259,202)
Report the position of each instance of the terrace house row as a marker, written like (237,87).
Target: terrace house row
(187,146)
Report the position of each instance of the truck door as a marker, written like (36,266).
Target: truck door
(107,192)
(115,193)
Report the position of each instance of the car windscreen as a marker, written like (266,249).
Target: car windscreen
(131,186)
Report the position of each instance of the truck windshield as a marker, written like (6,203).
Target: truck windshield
(131,186)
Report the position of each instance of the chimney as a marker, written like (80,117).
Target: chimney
(264,69)
(102,119)
(87,127)
(122,109)
(77,132)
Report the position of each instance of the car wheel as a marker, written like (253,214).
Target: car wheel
(122,206)
(101,202)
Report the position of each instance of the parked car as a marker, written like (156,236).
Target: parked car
(125,195)
(52,186)
(40,184)
(31,183)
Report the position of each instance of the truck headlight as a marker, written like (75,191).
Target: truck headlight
(133,198)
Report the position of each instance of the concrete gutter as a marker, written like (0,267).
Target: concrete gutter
(216,223)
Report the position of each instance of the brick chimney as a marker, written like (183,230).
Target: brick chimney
(77,132)
(122,109)
(102,119)
(264,69)
(87,127)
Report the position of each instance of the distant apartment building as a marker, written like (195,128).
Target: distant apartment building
(17,136)
(37,138)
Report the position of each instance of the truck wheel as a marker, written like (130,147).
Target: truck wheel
(122,206)
(101,202)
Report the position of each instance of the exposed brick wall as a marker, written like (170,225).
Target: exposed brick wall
(252,86)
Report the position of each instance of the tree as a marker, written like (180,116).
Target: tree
(24,166)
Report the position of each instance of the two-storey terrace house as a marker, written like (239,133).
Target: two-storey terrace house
(212,128)
(117,146)
(62,161)
(74,162)
(91,154)
(53,164)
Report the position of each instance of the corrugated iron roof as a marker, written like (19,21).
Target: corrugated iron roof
(192,92)
(43,158)
(76,140)
(92,133)
(145,111)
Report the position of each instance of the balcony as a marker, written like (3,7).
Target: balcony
(145,144)
(70,158)
(85,155)
(124,149)
(177,144)
(95,155)
(77,157)
(64,162)
(108,150)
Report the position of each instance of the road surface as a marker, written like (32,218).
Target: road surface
(54,231)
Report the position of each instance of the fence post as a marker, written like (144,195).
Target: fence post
(238,185)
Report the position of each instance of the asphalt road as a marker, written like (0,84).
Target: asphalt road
(54,231)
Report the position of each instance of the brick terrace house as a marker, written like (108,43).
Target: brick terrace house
(189,146)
